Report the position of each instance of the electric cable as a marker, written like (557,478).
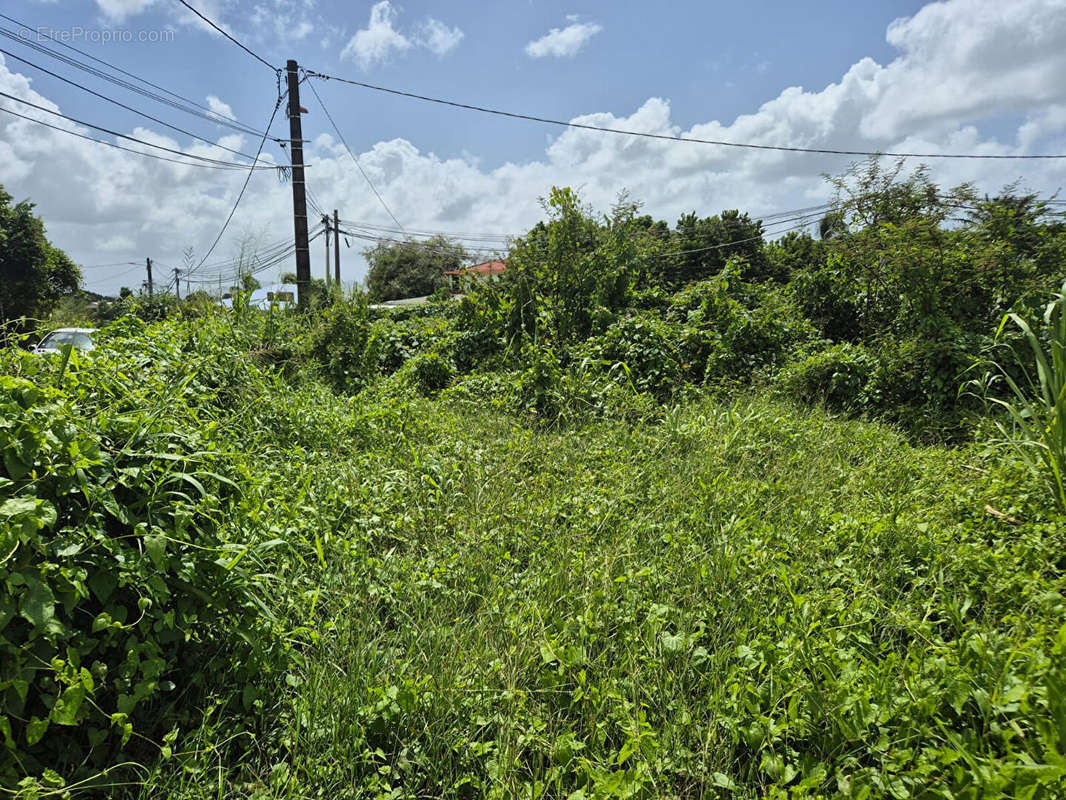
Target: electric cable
(366,177)
(244,186)
(250,52)
(124,106)
(217,165)
(185,104)
(666,137)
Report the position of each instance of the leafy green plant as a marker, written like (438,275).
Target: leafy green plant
(429,373)
(835,376)
(117,586)
(641,350)
(1036,405)
(339,345)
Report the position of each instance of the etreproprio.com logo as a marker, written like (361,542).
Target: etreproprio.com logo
(95,35)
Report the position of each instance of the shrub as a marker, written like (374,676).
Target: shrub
(338,346)
(835,376)
(119,597)
(644,349)
(914,383)
(537,388)
(429,373)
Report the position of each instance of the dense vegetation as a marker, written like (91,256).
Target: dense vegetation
(410,268)
(652,516)
(34,275)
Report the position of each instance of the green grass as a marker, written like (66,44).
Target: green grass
(739,599)
(722,598)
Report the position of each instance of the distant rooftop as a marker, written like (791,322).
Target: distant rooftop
(488,268)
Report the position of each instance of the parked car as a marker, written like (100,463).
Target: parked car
(80,338)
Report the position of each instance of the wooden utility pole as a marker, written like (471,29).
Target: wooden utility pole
(148,263)
(325,220)
(299,195)
(336,249)
(177,282)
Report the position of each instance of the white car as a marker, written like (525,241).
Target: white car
(80,338)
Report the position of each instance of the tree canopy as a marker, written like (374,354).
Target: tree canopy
(34,275)
(410,268)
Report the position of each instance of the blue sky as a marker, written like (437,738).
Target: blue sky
(952,76)
(712,60)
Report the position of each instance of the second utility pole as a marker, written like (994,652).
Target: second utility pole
(336,249)
(325,220)
(299,196)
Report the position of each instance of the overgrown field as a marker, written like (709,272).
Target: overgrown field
(650,517)
(233,582)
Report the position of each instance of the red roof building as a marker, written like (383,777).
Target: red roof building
(482,273)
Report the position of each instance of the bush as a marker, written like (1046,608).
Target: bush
(915,383)
(644,349)
(429,373)
(120,598)
(835,376)
(537,388)
(339,346)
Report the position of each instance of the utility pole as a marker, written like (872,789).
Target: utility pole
(336,249)
(299,196)
(325,220)
(148,263)
(177,282)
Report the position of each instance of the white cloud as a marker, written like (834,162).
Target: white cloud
(379,40)
(438,37)
(118,10)
(563,42)
(285,24)
(107,195)
(220,108)
(115,244)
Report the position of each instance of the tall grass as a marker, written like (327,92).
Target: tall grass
(1036,406)
(740,600)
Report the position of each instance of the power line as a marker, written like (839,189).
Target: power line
(804,216)
(118,275)
(123,105)
(244,186)
(221,272)
(228,164)
(218,165)
(366,177)
(263,265)
(110,266)
(504,238)
(500,237)
(186,105)
(230,263)
(252,53)
(666,137)
(439,247)
(802,222)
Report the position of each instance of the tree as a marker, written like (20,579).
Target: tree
(707,244)
(410,268)
(34,276)
(567,277)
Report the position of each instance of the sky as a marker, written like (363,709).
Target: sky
(956,76)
